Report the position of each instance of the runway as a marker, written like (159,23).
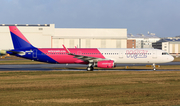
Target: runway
(71,67)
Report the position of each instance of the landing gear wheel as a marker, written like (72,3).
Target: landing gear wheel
(90,68)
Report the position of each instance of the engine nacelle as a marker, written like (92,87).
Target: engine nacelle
(105,64)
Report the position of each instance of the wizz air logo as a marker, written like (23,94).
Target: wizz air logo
(22,53)
(136,53)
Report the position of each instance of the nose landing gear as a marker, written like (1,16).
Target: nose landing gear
(154,67)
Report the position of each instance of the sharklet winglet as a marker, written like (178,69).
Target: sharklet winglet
(67,51)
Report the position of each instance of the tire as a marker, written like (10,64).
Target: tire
(90,68)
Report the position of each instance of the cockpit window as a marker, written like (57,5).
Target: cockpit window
(165,53)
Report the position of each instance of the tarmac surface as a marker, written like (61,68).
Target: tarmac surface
(72,67)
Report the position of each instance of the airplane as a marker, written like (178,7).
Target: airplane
(93,57)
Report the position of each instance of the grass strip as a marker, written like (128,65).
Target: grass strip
(129,88)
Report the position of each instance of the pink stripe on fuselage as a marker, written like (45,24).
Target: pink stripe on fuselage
(15,30)
(60,55)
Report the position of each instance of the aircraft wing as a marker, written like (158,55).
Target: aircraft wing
(87,58)
(84,58)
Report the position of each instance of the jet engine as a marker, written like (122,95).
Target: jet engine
(105,64)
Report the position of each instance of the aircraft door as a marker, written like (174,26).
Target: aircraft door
(79,53)
(34,53)
(154,54)
(120,54)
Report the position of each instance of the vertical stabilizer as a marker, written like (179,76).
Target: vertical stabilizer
(19,41)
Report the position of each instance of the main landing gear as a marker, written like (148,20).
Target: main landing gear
(90,67)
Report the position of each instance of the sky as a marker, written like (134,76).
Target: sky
(161,17)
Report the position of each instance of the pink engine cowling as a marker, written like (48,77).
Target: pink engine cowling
(105,64)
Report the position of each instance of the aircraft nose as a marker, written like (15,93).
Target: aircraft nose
(171,58)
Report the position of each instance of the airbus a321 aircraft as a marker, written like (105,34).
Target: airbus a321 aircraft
(94,57)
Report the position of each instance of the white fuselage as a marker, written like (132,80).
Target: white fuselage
(137,55)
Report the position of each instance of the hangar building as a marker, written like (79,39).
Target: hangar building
(47,36)
(141,41)
(170,45)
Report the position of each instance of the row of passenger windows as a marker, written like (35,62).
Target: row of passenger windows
(82,53)
(103,53)
(110,53)
(74,53)
(99,53)
(127,53)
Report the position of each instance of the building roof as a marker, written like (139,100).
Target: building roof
(169,40)
(24,24)
(141,36)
